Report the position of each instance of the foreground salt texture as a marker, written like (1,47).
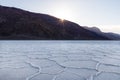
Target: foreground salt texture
(59,60)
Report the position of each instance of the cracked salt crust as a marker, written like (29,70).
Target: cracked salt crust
(32,60)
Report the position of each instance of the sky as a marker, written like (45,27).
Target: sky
(104,14)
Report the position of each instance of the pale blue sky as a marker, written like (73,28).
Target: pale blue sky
(104,14)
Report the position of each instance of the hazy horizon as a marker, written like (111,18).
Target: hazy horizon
(103,14)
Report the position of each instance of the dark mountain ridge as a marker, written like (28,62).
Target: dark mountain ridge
(17,24)
(110,35)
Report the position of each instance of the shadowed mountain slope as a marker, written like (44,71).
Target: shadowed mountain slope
(17,24)
(109,35)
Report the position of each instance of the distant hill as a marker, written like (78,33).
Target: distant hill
(110,35)
(17,24)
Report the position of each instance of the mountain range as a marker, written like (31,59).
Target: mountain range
(18,24)
(110,35)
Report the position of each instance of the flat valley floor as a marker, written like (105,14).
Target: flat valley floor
(59,60)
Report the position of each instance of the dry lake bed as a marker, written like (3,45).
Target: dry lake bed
(59,60)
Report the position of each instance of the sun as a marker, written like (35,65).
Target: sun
(62,14)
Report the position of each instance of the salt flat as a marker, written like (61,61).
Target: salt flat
(59,60)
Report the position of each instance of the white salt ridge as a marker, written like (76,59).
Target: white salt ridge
(109,68)
(108,60)
(84,72)
(80,64)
